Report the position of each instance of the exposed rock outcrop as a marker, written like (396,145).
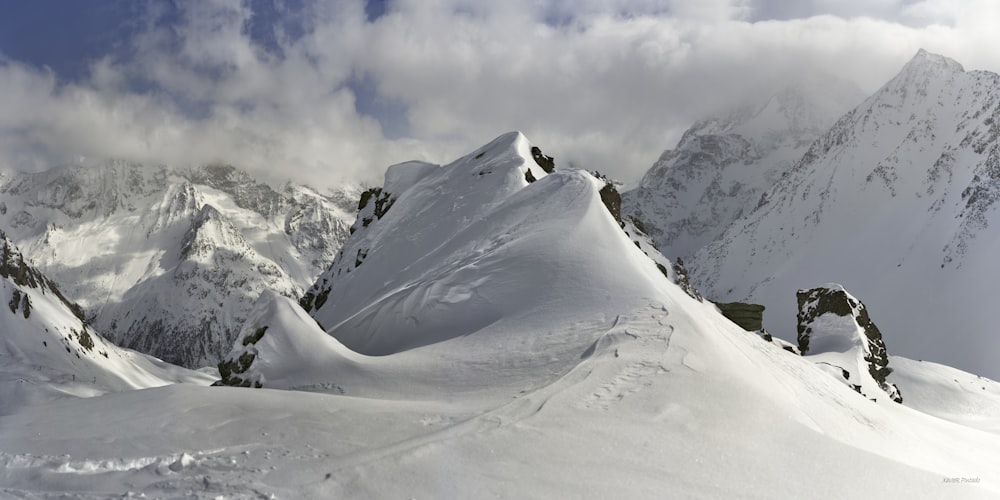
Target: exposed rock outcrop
(374,204)
(13,266)
(681,278)
(546,162)
(233,368)
(611,198)
(281,347)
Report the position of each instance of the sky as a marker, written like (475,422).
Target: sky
(328,92)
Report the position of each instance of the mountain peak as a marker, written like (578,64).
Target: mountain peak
(507,140)
(210,231)
(509,153)
(923,69)
(924,61)
(508,146)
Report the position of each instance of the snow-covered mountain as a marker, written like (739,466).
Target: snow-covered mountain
(897,201)
(722,166)
(170,261)
(48,352)
(439,262)
(498,336)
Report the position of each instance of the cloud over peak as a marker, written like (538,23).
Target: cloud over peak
(328,91)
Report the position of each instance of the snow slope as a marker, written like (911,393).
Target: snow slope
(674,403)
(599,378)
(47,352)
(170,261)
(896,201)
(722,166)
(948,393)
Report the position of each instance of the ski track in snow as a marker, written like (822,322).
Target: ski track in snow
(653,351)
(528,404)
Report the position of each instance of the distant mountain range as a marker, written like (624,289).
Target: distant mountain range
(170,261)
(49,352)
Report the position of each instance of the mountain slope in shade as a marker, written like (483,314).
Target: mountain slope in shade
(896,201)
(48,352)
(722,167)
(170,261)
(600,377)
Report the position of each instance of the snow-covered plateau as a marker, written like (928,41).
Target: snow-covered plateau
(490,329)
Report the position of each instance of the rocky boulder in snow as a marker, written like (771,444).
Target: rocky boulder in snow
(749,317)
(835,326)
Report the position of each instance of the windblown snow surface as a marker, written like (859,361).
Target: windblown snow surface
(496,338)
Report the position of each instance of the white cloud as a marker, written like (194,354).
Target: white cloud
(606,85)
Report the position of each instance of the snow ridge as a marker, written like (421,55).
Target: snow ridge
(485,233)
